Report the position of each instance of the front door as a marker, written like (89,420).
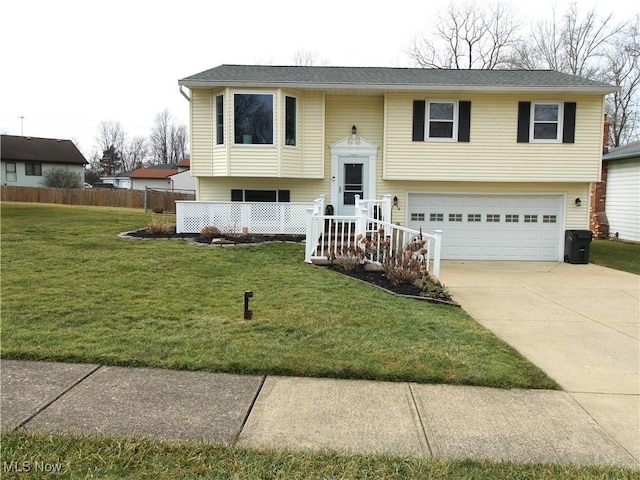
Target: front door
(352,181)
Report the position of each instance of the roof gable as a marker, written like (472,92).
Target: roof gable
(382,78)
(45,150)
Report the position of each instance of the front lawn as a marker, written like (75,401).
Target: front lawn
(72,291)
(623,256)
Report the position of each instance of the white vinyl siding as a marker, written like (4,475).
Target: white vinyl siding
(623,198)
(493,154)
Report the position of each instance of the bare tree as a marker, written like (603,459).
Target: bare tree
(593,47)
(111,134)
(136,152)
(468,35)
(306,58)
(623,69)
(168,141)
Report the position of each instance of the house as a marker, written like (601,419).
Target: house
(500,161)
(621,168)
(25,160)
(119,180)
(183,181)
(154,177)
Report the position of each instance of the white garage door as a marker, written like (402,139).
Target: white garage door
(492,227)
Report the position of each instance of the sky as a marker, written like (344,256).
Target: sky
(69,65)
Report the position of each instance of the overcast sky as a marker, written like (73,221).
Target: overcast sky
(67,65)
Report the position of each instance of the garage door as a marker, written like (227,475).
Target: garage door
(492,227)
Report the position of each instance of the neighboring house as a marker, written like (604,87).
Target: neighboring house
(119,180)
(154,177)
(25,160)
(622,194)
(183,181)
(500,161)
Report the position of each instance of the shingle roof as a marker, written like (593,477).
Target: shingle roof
(626,151)
(153,172)
(392,79)
(45,150)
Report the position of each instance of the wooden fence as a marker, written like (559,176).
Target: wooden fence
(156,201)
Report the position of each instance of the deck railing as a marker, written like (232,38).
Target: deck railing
(329,235)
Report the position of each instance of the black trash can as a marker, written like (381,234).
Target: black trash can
(576,246)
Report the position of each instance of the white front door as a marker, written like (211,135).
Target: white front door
(353,178)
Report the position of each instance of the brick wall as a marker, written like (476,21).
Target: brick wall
(598,222)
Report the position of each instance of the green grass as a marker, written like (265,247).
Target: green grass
(72,291)
(623,256)
(99,457)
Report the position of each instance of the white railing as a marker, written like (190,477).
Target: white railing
(328,233)
(255,217)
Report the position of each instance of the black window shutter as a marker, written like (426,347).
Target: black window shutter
(464,121)
(418,120)
(569,123)
(237,195)
(524,116)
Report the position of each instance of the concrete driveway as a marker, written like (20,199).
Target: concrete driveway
(578,323)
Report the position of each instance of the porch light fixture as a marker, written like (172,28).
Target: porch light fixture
(578,202)
(354,130)
(395,203)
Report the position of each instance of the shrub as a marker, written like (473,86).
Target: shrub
(158,226)
(210,232)
(61,178)
(348,258)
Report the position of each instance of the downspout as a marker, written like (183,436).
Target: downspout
(182,92)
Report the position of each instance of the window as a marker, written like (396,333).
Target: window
(11,172)
(455,217)
(546,122)
(549,219)
(474,217)
(417,217)
(219,119)
(260,195)
(253,118)
(33,169)
(531,219)
(512,218)
(495,218)
(436,217)
(291,120)
(441,120)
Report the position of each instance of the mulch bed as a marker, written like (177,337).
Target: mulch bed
(222,238)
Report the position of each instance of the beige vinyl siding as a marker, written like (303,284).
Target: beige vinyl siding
(201,132)
(219,189)
(305,160)
(365,112)
(311,125)
(493,154)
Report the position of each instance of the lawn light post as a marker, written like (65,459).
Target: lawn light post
(247,313)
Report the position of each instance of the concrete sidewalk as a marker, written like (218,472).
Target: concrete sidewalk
(304,413)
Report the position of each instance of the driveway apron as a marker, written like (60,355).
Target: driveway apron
(579,323)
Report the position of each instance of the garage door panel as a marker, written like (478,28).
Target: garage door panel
(492,227)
